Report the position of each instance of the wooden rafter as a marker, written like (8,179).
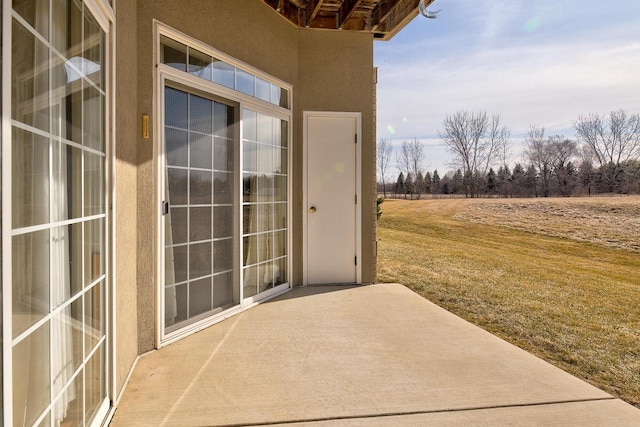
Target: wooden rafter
(381,12)
(382,18)
(313,7)
(346,10)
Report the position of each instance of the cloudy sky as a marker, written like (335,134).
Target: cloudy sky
(542,62)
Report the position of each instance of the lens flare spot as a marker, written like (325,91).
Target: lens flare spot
(531,25)
(391,129)
(340,167)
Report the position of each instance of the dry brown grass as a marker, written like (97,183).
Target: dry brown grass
(608,221)
(538,273)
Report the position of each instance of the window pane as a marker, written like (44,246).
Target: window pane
(66,261)
(66,346)
(93,53)
(249,125)
(94,384)
(94,250)
(176,224)
(223,188)
(66,17)
(245,82)
(200,151)
(93,184)
(199,260)
(93,317)
(223,73)
(29,79)
(93,108)
(175,265)
(176,147)
(30,179)
(200,187)
(249,157)
(199,64)
(200,114)
(31,364)
(67,182)
(223,155)
(178,184)
(173,53)
(223,290)
(176,108)
(199,296)
(222,221)
(222,255)
(265,129)
(250,277)
(175,299)
(263,89)
(30,271)
(200,224)
(36,13)
(223,120)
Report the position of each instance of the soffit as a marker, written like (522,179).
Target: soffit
(382,18)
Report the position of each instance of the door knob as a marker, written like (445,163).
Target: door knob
(312,209)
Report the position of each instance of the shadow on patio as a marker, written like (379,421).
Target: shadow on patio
(366,355)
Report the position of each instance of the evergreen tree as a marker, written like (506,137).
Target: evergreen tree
(491,181)
(427,183)
(435,182)
(400,187)
(419,187)
(518,184)
(409,185)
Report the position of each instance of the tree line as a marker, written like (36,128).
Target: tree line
(604,157)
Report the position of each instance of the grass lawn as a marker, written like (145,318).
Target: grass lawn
(559,278)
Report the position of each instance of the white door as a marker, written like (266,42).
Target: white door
(331,198)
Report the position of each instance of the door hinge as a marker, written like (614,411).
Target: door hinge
(355,138)
(356,198)
(355,260)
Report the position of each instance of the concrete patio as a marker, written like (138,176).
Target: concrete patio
(356,356)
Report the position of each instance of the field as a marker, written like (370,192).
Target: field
(559,278)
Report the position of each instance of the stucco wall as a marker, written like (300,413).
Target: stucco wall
(126,141)
(329,71)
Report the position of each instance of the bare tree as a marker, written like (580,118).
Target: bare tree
(476,141)
(613,140)
(403,163)
(538,154)
(563,152)
(416,157)
(383,155)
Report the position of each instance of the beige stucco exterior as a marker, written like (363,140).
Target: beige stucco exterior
(329,71)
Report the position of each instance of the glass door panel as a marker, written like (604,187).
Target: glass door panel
(59,216)
(199,225)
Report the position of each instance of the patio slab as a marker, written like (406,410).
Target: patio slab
(355,356)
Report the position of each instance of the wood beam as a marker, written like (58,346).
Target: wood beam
(382,11)
(346,9)
(313,7)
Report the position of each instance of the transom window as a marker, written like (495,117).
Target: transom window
(213,69)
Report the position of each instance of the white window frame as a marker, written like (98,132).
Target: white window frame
(163,74)
(105,17)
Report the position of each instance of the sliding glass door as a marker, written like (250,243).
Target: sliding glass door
(58,276)
(224,186)
(200,206)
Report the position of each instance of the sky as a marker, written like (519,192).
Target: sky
(543,63)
